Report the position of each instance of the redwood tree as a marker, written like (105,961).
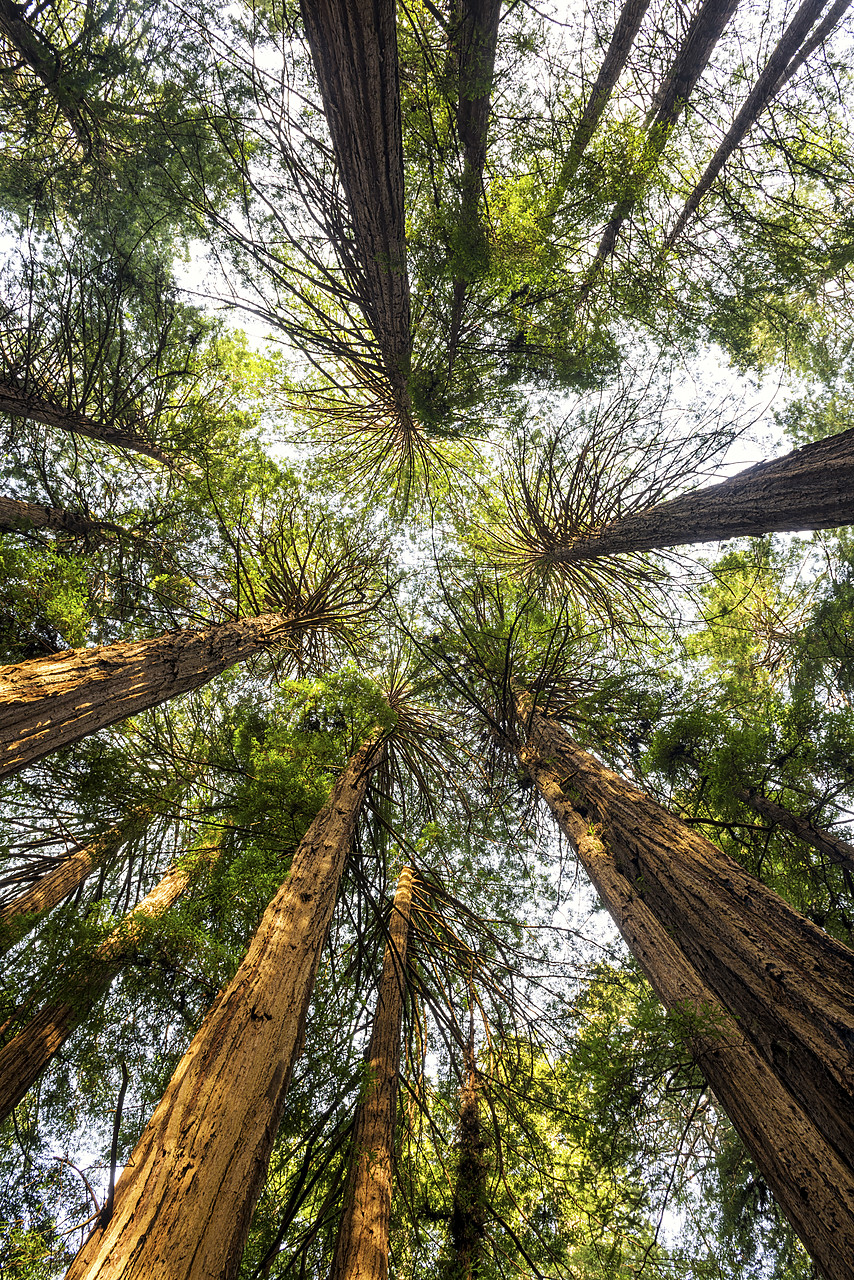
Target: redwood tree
(183,1205)
(361,1250)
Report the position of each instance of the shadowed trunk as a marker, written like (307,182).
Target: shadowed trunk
(474,40)
(17,516)
(25,1057)
(770,81)
(689,64)
(40,56)
(467,1226)
(809,488)
(786,982)
(20,403)
(814,1187)
(48,703)
(20,915)
(361,1249)
(354,49)
(834,849)
(184,1202)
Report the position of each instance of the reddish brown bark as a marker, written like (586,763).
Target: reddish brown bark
(354,48)
(770,80)
(18,516)
(786,982)
(26,1056)
(834,849)
(48,703)
(21,403)
(184,1202)
(361,1249)
(809,488)
(22,913)
(813,1185)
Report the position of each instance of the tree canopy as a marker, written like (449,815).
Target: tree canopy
(426,640)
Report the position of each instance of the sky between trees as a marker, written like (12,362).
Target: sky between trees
(426,737)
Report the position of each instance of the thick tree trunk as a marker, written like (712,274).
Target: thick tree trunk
(17,516)
(809,488)
(770,80)
(22,913)
(689,64)
(354,48)
(361,1250)
(834,849)
(26,1056)
(814,1187)
(467,1226)
(41,58)
(48,703)
(184,1202)
(20,403)
(786,982)
(475,39)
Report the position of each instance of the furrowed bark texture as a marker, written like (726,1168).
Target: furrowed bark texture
(22,913)
(17,516)
(834,849)
(361,1249)
(786,982)
(19,403)
(814,1187)
(689,64)
(48,703)
(184,1202)
(25,1057)
(809,488)
(354,48)
(771,79)
(467,1226)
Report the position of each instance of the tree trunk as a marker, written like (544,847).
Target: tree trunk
(809,488)
(22,913)
(689,64)
(43,59)
(184,1202)
(475,40)
(814,1187)
(24,404)
(786,982)
(48,703)
(468,1216)
(361,1250)
(354,48)
(17,516)
(834,849)
(770,80)
(26,1056)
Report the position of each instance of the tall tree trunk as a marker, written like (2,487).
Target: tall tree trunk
(184,1202)
(354,48)
(48,703)
(475,39)
(17,516)
(22,913)
(809,488)
(361,1250)
(26,1056)
(689,64)
(771,79)
(467,1226)
(786,982)
(825,842)
(21,403)
(813,1185)
(41,57)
